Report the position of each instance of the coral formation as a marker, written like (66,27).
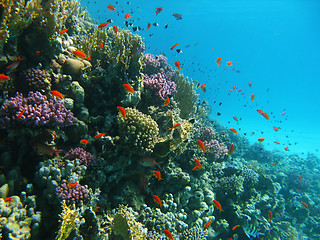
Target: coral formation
(84,157)
(72,194)
(160,85)
(34,79)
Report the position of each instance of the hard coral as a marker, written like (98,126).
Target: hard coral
(194,233)
(84,157)
(72,195)
(158,64)
(160,85)
(34,79)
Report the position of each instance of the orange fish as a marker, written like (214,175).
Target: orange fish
(234,87)
(101,44)
(115,29)
(201,145)
(176,125)
(239,90)
(72,184)
(217,205)
(260,139)
(64,31)
(99,135)
(20,114)
(96,209)
(252,97)
(4,78)
(230,90)
(172,48)
(233,130)
(13,66)
(38,53)
(89,58)
(235,118)
(84,142)
(8,199)
(157,174)
(122,111)
(112,8)
(57,94)
(157,200)
(198,165)
(229,63)
(218,61)
(286,148)
(270,215)
(275,163)
(149,25)
(177,64)
(80,54)
(203,87)
(128,88)
(305,205)
(231,149)
(166,103)
(299,178)
(168,234)
(234,228)
(158,10)
(259,111)
(102,25)
(207,225)
(127,16)
(276,129)
(265,115)
(277,142)
(250,84)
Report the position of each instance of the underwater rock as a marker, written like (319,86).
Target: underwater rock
(83,114)
(72,67)
(4,190)
(77,93)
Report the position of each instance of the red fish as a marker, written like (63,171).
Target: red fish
(89,58)
(234,228)
(270,215)
(57,94)
(157,174)
(38,53)
(305,205)
(112,8)
(80,54)
(234,87)
(157,200)
(149,25)
(233,130)
(166,103)
(259,111)
(250,84)
(265,115)
(252,97)
(239,90)
(99,135)
(102,25)
(218,61)
(217,205)
(127,16)
(13,66)
(235,118)
(20,114)
(260,139)
(158,10)
(207,225)
(198,165)
(177,64)
(277,142)
(64,31)
(128,88)
(4,78)
(286,148)
(72,184)
(203,87)
(8,199)
(115,29)
(276,129)
(229,63)
(168,234)
(96,209)
(101,44)
(201,145)
(84,142)
(231,149)
(172,48)
(174,126)
(275,163)
(299,178)
(122,111)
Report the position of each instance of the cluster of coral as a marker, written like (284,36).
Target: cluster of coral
(90,171)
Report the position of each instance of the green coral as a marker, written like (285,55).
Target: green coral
(138,130)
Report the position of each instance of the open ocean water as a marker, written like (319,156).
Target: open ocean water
(272,44)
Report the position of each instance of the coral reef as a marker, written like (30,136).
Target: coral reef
(158,64)
(72,194)
(160,85)
(33,79)
(84,157)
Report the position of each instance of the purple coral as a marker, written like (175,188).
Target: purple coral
(156,64)
(36,111)
(219,149)
(72,194)
(160,85)
(84,157)
(34,79)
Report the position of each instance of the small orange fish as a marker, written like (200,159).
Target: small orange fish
(158,10)
(240,90)
(218,61)
(72,184)
(233,130)
(102,25)
(203,87)
(286,148)
(299,178)
(89,58)
(172,48)
(207,225)
(229,63)
(64,31)
(157,174)
(128,88)
(231,149)
(252,97)
(201,145)
(122,111)
(8,199)
(174,126)
(277,142)
(4,78)
(275,163)
(270,215)
(234,87)
(96,209)
(305,205)
(250,84)
(157,200)
(115,29)
(99,135)
(265,115)
(84,142)
(80,54)
(168,234)
(149,25)
(166,103)
(276,129)
(13,66)
(127,16)
(260,139)
(234,228)
(38,53)
(235,118)
(217,205)
(112,8)
(57,94)
(198,165)
(20,114)
(259,111)
(177,64)
(101,44)
(230,90)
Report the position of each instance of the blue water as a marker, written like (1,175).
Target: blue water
(276,46)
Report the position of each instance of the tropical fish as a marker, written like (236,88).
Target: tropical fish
(172,48)
(89,58)
(57,94)
(260,139)
(148,162)
(276,129)
(102,25)
(198,165)
(217,205)
(84,142)
(64,31)
(96,209)
(275,163)
(270,215)
(174,126)
(4,78)
(259,111)
(240,90)
(157,200)
(233,130)
(203,87)
(231,149)
(122,111)
(250,84)
(177,16)
(234,228)
(252,97)
(13,66)
(43,148)
(72,184)
(80,54)
(101,44)
(235,118)
(207,225)
(286,148)
(112,8)
(299,178)
(157,174)
(229,63)
(265,115)
(305,205)
(166,103)
(218,61)
(283,113)
(128,88)
(149,25)
(201,145)
(99,135)
(8,199)
(115,29)
(37,53)
(158,10)
(277,142)
(251,231)
(168,234)
(127,16)
(20,114)
(177,64)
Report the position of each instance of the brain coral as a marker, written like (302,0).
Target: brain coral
(138,130)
